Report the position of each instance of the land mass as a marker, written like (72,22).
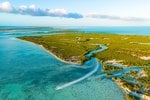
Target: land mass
(124,51)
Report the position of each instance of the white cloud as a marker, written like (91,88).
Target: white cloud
(111,17)
(23,7)
(5,7)
(59,12)
(32,10)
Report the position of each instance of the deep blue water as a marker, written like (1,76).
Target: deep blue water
(28,72)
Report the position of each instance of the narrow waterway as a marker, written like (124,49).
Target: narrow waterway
(28,72)
(95,66)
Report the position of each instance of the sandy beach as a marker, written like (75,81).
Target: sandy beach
(67,62)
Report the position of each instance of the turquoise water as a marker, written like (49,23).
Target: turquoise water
(127,30)
(28,72)
(14,31)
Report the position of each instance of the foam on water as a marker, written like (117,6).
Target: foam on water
(30,73)
(96,67)
(80,79)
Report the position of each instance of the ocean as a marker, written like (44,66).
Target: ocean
(125,30)
(28,72)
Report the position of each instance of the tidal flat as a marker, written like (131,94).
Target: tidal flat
(124,53)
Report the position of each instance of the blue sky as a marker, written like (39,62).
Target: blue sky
(75,12)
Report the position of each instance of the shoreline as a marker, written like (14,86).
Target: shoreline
(127,90)
(48,51)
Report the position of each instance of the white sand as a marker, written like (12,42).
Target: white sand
(145,57)
(67,62)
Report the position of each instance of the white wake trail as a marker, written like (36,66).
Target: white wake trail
(80,79)
(88,74)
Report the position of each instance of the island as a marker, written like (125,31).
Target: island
(126,61)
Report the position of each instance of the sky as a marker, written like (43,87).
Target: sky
(75,12)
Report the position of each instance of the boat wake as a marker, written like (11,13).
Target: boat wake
(93,60)
(80,79)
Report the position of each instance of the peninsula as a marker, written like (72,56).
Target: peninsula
(126,61)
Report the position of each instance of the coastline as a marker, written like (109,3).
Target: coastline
(127,91)
(48,51)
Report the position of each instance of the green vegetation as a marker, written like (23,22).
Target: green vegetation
(129,97)
(64,46)
(145,79)
(121,47)
(130,50)
(109,68)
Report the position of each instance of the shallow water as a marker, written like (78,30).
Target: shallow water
(30,73)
